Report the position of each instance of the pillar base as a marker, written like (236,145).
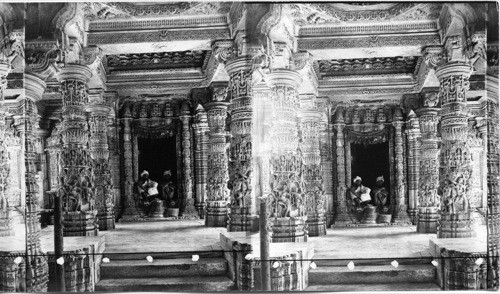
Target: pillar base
(316,224)
(200,207)
(241,220)
(400,215)
(5,225)
(289,229)
(342,219)
(427,220)
(456,225)
(413,215)
(106,220)
(216,214)
(80,223)
(190,211)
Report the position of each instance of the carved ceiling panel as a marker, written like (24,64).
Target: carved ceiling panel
(160,60)
(320,13)
(367,66)
(113,10)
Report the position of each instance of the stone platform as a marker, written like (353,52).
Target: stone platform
(242,251)
(461,261)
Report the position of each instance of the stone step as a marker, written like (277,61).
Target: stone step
(406,287)
(372,274)
(133,255)
(170,284)
(163,268)
(371,261)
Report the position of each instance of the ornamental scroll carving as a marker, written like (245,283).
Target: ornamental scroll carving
(367,138)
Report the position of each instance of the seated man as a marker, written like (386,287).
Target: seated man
(168,189)
(380,195)
(148,189)
(359,194)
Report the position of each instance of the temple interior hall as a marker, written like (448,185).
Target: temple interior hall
(241,146)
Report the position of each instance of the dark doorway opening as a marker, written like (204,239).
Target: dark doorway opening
(157,155)
(370,162)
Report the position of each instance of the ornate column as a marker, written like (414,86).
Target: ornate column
(189,209)
(288,215)
(218,174)
(129,206)
(428,199)
(413,135)
(399,208)
(200,157)
(243,213)
(493,168)
(327,166)
(5,221)
(114,151)
(312,171)
(100,113)
(341,214)
(37,271)
(77,187)
(455,160)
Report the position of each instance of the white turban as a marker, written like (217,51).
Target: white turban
(381,178)
(167,172)
(356,178)
(144,172)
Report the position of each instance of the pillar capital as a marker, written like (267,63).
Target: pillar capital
(284,77)
(34,87)
(75,71)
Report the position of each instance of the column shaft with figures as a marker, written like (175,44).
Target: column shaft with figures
(77,186)
(104,193)
(218,175)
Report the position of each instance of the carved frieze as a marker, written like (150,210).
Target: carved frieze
(368,41)
(367,66)
(158,36)
(167,60)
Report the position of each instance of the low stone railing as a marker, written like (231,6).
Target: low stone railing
(461,263)
(290,262)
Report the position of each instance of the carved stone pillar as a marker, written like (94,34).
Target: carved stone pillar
(5,221)
(189,209)
(493,168)
(104,194)
(37,271)
(114,152)
(327,167)
(455,160)
(428,198)
(218,174)
(287,197)
(399,208)
(243,214)
(200,157)
(341,213)
(77,187)
(130,211)
(413,146)
(312,171)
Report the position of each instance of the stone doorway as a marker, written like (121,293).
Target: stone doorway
(370,161)
(157,155)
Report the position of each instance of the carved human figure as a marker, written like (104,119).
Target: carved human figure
(380,195)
